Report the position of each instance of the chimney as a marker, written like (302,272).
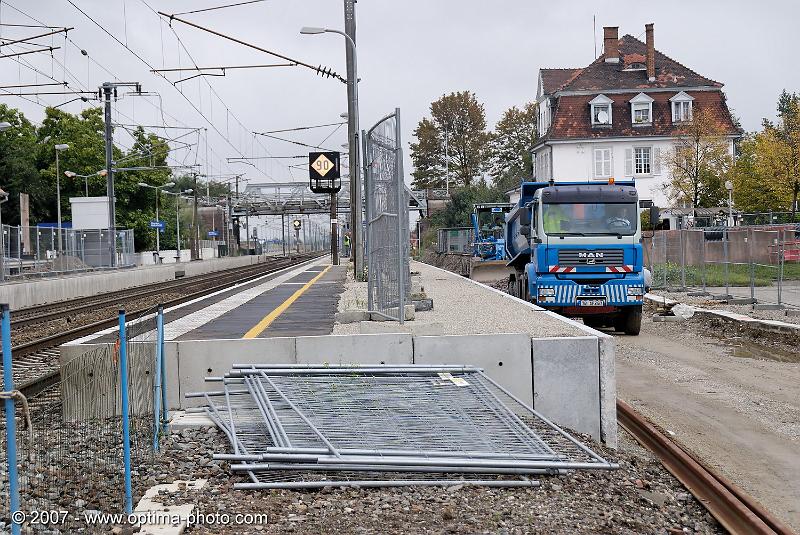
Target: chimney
(611,44)
(651,53)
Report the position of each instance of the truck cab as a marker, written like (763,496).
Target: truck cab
(575,248)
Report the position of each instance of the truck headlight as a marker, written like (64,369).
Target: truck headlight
(547,292)
(635,290)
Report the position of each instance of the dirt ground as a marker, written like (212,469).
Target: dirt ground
(732,402)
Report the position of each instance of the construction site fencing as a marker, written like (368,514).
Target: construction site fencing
(38,251)
(388,246)
(79,443)
(456,240)
(761,264)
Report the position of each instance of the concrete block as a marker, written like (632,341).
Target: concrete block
(423,305)
(608,390)
(742,301)
(394,348)
(506,358)
(698,294)
(416,327)
(409,309)
(198,359)
(351,316)
(768,306)
(658,318)
(180,420)
(566,381)
(793,313)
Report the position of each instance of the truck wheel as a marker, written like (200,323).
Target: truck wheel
(633,321)
(512,286)
(593,322)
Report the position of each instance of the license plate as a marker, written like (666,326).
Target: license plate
(591,302)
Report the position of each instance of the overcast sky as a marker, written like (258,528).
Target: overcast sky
(410,53)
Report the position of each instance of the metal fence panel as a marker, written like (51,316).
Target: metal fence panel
(388,247)
(454,240)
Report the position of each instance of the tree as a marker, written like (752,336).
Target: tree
(458,209)
(18,172)
(700,162)
(510,147)
(458,121)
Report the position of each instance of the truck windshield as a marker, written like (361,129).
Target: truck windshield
(583,219)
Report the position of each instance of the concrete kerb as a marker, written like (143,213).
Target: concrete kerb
(605,350)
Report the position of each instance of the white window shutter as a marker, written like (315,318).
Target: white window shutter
(611,162)
(628,162)
(656,160)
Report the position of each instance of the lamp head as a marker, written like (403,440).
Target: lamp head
(62,146)
(70,174)
(142,184)
(311,30)
(4,126)
(102,172)
(168,184)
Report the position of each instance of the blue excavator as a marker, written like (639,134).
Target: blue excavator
(489,257)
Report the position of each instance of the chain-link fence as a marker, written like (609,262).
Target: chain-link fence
(759,264)
(388,246)
(72,451)
(43,251)
(454,240)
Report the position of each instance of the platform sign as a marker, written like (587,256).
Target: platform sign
(160,225)
(213,233)
(297,224)
(323,165)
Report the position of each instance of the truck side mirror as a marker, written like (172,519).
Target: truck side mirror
(525,230)
(654,216)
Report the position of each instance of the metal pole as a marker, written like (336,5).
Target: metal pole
(781,251)
(195,254)
(160,342)
(109,142)
(334,232)
(446,164)
(368,212)
(58,203)
(158,230)
(353,127)
(283,233)
(11,424)
(725,250)
(178,226)
(683,259)
(752,264)
(157,380)
(126,439)
(401,209)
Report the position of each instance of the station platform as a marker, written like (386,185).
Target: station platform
(297,301)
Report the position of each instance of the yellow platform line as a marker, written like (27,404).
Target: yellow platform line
(272,316)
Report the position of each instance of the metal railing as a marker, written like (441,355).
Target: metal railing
(388,247)
(749,263)
(41,251)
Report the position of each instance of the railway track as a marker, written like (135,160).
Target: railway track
(34,357)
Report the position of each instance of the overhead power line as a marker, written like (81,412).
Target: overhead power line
(48,49)
(220,7)
(322,71)
(7,43)
(297,129)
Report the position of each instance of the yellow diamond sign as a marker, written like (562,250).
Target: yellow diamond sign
(322,165)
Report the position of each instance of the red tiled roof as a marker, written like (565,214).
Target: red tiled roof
(552,79)
(600,76)
(571,118)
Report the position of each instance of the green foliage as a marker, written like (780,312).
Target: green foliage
(510,148)
(460,120)
(458,210)
(18,171)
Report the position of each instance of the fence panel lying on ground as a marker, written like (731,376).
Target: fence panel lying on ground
(758,263)
(304,427)
(72,456)
(388,246)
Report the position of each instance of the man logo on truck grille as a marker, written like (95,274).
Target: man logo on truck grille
(590,257)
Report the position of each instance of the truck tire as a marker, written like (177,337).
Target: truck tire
(632,323)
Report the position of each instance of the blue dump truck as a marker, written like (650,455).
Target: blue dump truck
(489,256)
(575,248)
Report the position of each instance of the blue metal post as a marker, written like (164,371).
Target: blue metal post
(126,437)
(164,408)
(11,424)
(157,381)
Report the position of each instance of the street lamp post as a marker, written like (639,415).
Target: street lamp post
(3,198)
(70,174)
(353,124)
(59,148)
(178,220)
(158,230)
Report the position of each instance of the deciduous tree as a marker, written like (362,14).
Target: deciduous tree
(510,148)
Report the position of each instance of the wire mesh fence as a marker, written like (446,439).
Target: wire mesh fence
(757,263)
(43,251)
(305,426)
(71,446)
(454,240)
(388,246)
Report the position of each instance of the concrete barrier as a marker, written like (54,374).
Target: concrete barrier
(23,294)
(563,378)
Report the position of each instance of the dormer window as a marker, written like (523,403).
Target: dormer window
(681,107)
(601,110)
(636,67)
(641,110)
